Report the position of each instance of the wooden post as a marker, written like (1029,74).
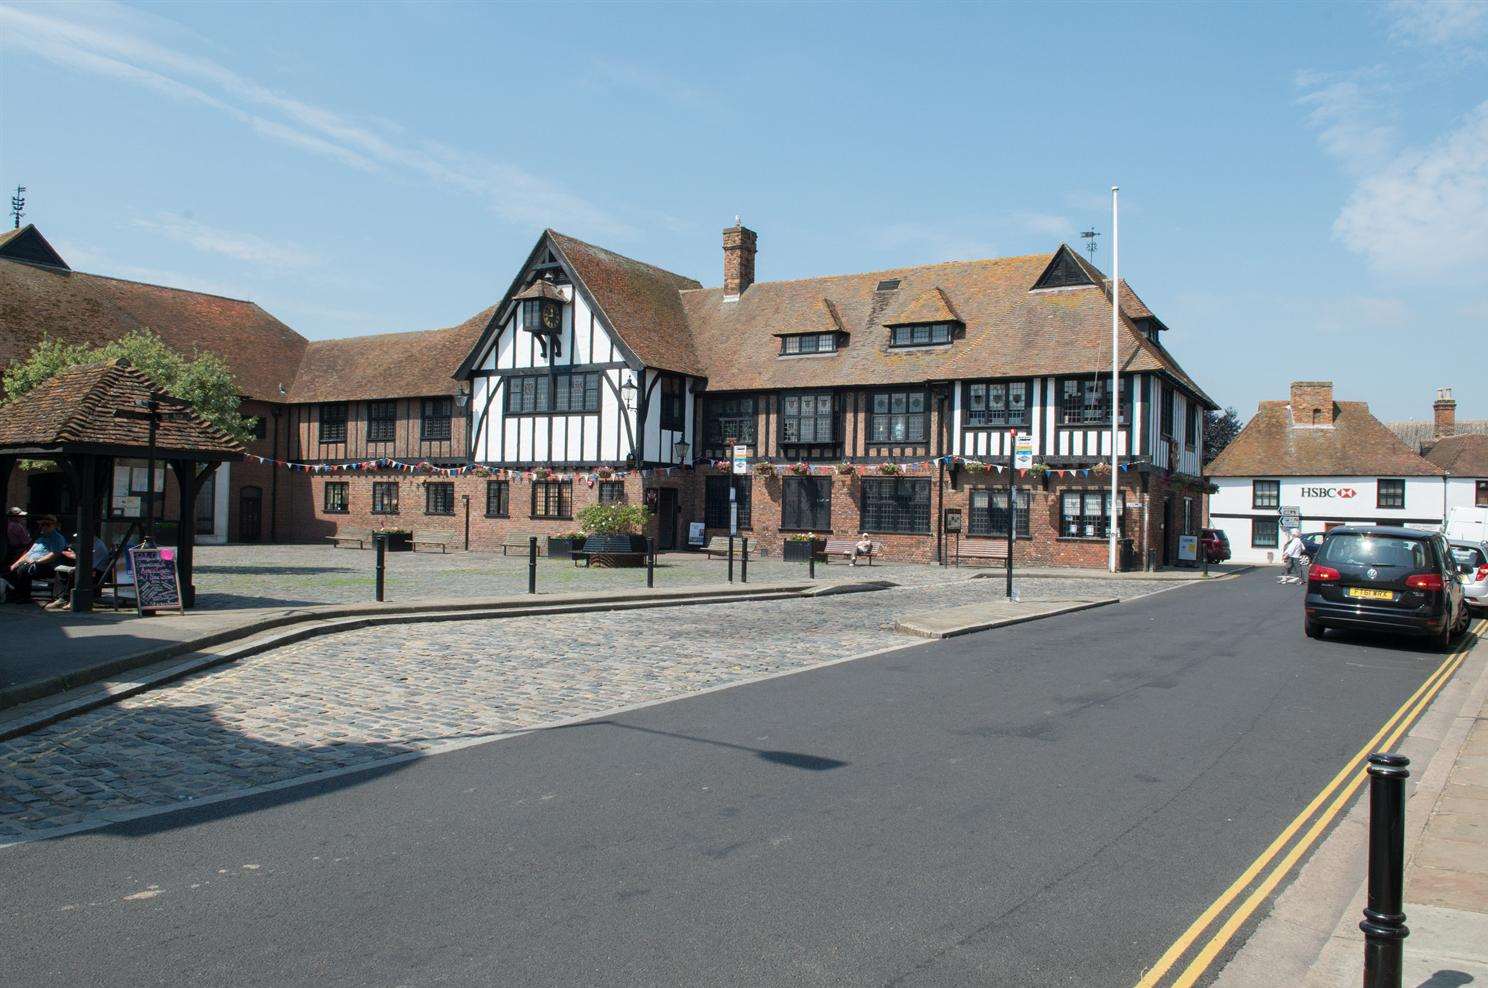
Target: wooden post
(87,530)
(189,482)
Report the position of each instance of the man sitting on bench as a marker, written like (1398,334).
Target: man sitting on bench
(862,547)
(66,572)
(39,560)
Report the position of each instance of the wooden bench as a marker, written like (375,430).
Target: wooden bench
(992,552)
(442,540)
(520,540)
(361,539)
(617,547)
(845,547)
(718,544)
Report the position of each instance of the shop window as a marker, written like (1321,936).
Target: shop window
(337,498)
(498,498)
(806,504)
(716,501)
(1086,514)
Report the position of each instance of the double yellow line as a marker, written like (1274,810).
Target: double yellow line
(1346,784)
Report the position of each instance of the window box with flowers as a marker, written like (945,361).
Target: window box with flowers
(800,547)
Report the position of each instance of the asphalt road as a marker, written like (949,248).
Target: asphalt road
(1050,803)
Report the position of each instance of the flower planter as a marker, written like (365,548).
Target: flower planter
(397,541)
(563,546)
(801,550)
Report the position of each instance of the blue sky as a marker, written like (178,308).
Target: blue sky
(1304,187)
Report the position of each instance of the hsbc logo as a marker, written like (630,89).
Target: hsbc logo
(1343,492)
(1346,492)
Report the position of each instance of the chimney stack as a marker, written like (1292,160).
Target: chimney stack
(1312,403)
(1444,414)
(738,259)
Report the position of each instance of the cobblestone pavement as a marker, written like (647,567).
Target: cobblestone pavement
(354,698)
(275,576)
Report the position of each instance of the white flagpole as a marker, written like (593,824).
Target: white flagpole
(1115,372)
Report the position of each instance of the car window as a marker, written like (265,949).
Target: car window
(1466,557)
(1380,551)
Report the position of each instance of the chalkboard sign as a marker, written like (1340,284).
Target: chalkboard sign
(157,585)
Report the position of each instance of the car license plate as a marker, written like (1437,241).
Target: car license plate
(1360,593)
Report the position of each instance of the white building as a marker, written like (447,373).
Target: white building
(1330,463)
(1463,456)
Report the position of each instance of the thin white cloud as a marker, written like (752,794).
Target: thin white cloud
(1350,114)
(1438,23)
(246,247)
(120,49)
(623,75)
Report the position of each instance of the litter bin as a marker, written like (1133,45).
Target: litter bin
(1127,558)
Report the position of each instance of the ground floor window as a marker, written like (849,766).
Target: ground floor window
(1263,532)
(385,497)
(1482,498)
(439,499)
(899,504)
(498,498)
(989,513)
(337,501)
(806,504)
(1086,514)
(716,501)
(552,499)
(611,492)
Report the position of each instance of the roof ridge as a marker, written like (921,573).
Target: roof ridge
(168,288)
(909,267)
(403,332)
(626,257)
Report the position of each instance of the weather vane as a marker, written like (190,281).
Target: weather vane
(18,205)
(1090,242)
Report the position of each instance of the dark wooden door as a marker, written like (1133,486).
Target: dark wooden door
(250,514)
(666,518)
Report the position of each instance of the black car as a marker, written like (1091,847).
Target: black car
(1312,542)
(1385,579)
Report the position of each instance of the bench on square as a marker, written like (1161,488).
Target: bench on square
(845,547)
(718,545)
(361,538)
(992,552)
(520,541)
(439,540)
(610,550)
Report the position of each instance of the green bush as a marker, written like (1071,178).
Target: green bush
(612,519)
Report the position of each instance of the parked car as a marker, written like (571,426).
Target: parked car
(1214,544)
(1465,524)
(1312,542)
(1472,570)
(1381,578)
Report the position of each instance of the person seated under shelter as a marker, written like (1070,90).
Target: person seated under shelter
(40,560)
(66,572)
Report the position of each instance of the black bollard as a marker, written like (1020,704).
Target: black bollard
(380,541)
(532,564)
(1384,919)
(650,563)
(744,560)
(811,561)
(731,559)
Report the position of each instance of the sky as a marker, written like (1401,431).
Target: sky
(1304,188)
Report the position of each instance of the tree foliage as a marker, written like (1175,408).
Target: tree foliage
(1220,429)
(203,379)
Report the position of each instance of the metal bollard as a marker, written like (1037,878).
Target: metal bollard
(744,561)
(380,541)
(811,561)
(731,559)
(1384,921)
(532,564)
(650,563)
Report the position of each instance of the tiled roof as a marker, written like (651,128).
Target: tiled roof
(1419,433)
(76,407)
(931,305)
(1010,331)
(74,307)
(1358,445)
(540,289)
(639,301)
(386,365)
(1461,455)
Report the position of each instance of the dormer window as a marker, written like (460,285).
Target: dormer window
(795,344)
(921,334)
(540,308)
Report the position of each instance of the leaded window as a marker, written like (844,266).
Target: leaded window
(333,422)
(996,403)
(729,418)
(1087,401)
(1390,494)
(552,499)
(498,498)
(808,343)
(1086,514)
(611,491)
(806,504)
(898,417)
(336,502)
(1265,533)
(989,513)
(439,498)
(384,497)
(897,504)
(563,392)
(382,421)
(576,392)
(921,334)
(527,394)
(807,418)
(434,423)
(716,501)
(673,403)
(1265,493)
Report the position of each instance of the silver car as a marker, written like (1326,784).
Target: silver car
(1472,569)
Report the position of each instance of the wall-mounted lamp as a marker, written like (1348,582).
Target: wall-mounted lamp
(462,397)
(681,448)
(628,391)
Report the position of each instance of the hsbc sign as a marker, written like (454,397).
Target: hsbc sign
(1330,492)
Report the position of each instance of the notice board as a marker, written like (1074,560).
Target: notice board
(157,584)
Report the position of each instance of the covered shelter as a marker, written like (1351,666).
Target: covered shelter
(86,416)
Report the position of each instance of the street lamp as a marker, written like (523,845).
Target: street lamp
(680,448)
(628,390)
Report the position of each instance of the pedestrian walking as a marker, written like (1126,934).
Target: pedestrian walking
(1291,557)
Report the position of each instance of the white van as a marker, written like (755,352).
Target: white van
(1467,524)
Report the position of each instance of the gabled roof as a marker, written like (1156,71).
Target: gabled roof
(1461,455)
(638,301)
(386,365)
(27,244)
(75,408)
(819,318)
(931,305)
(1358,445)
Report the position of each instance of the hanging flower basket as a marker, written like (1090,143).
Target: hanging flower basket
(800,469)
(1039,470)
(846,469)
(976,467)
(890,469)
(1101,469)
(764,469)
(605,473)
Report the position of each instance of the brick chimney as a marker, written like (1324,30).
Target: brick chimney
(738,259)
(1312,403)
(1444,414)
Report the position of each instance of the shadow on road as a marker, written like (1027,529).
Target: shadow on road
(791,759)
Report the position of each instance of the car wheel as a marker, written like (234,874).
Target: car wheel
(1314,629)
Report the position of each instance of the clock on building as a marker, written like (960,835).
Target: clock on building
(552,316)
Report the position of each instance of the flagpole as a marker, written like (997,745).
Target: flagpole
(1115,372)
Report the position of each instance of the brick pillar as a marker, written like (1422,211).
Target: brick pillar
(1444,414)
(738,259)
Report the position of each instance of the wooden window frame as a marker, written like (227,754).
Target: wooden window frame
(380,491)
(376,423)
(1078,527)
(328,505)
(436,425)
(988,414)
(672,396)
(334,415)
(610,492)
(564,494)
(442,488)
(502,488)
(905,336)
(1256,504)
(983,521)
(1275,527)
(714,432)
(1073,411)
(1480,494)
(815,416)
(716,502)
(1379,493)
(889,416)
(872,488)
